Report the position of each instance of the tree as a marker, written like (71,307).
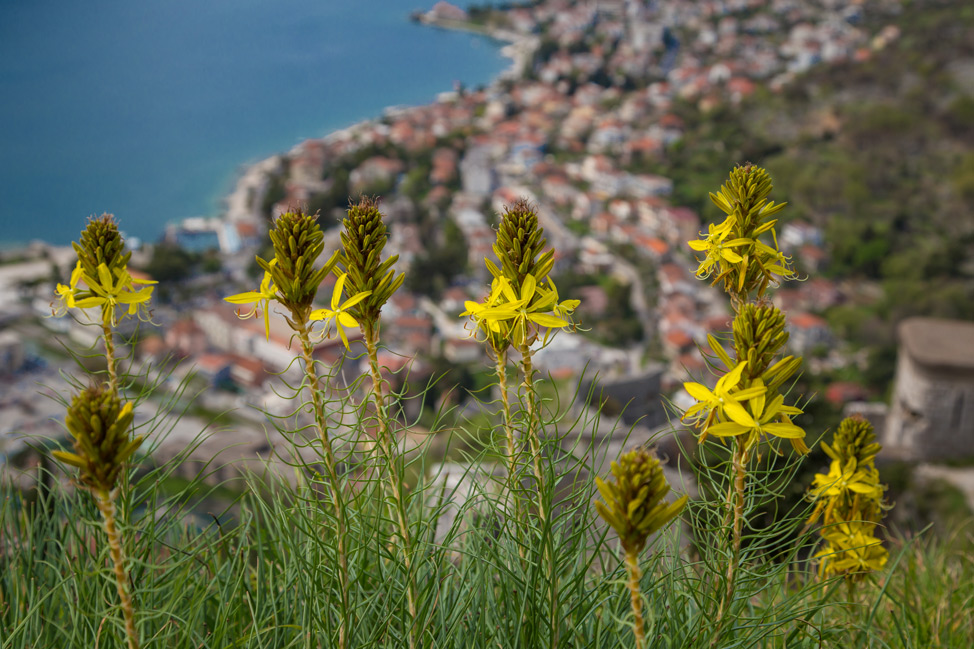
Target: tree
(434,271)
(171,263)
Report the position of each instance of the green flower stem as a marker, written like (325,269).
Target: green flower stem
(527,366)
(112,363)
(501,368)
(106,505)
(394,475)
(512,471)
(314,386)
(110,360)
(738,300)
(739,469)
(635,595)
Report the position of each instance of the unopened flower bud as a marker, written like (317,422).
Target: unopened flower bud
(363,238)
(100,425)
(634,505)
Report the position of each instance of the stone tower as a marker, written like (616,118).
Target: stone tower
(932,410)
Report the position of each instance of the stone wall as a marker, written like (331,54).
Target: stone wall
(932,409)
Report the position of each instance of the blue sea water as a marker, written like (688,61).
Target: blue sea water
(149,110)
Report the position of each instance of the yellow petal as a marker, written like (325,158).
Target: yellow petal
(355,300)
(757,404)
(336,295)
(105,276)
(244,298)
(732,378)
(528,288)
(737,413)
(546,320)
(142,295)
(89,302)
(787,431)
(692,411)
(726,429)
(346,319)
(76,274)
(740,242)
(570,305)
(507,290)
(699,392)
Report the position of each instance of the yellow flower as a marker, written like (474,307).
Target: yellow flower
(842,478)
(524,311)
(65,299)
(845,480)
(719,252)
(339,312)
(109,292)
(565,308)
(765,418)
(496,330)
(475,310)
(711,404)
(773,262)
(506,317)
(260,299)
(852,550)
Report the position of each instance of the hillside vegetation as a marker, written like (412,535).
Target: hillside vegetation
(880,155)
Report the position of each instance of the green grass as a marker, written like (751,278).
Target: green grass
(356,540)
(253,562)
(266,576)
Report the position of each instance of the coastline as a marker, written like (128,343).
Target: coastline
(241,204)
(342,65)
(519,47)
(244,191)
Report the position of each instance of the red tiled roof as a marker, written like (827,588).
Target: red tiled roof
(806,321)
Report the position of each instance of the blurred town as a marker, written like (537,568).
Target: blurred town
(584,125)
